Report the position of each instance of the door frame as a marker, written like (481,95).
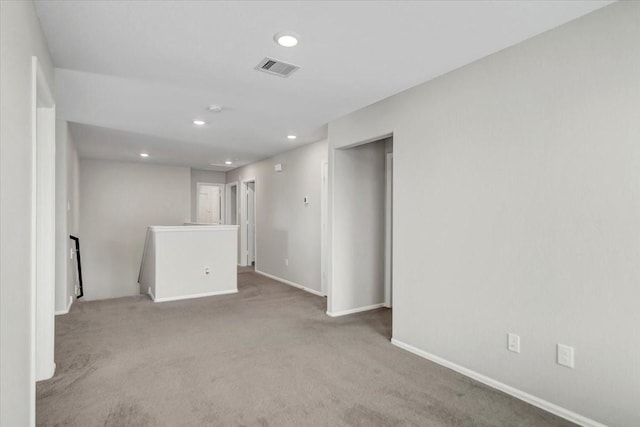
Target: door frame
(43,238)
(222,198)
(324,217)
(243,222)
(230,203)
(388,231)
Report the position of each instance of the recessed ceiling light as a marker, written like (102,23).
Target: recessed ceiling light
(228,162)
(214,108)
(291,137)
(199,122)
(144,154)
(286,39)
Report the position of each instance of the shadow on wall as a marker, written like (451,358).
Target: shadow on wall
(275,251)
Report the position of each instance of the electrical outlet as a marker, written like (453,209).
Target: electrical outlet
(565,356)
(513,342)
(206,271)
(286,262)
(71,253)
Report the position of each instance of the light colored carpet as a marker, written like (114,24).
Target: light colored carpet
(267,356)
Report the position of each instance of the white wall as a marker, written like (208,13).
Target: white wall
(176,260)
(517,209)
(20,38)
(359,229)
(200,175)
(119,200)
(285,227)
(67,199)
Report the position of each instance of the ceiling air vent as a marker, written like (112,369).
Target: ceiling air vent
(277,68)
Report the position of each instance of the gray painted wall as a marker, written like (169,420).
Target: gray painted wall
(285,227)
(517,209)
(200,175)
(119,200)
(20,38)
(359,281)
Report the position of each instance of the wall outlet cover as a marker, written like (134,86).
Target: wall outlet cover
(565,356)
(513,342)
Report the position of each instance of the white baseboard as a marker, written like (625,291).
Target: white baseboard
(49,374)
(519,394)
(65,311)
(287,282)
(181,297)
(354,310)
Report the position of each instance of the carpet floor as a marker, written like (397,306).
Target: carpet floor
(266,356)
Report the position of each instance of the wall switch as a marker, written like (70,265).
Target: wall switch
(565,355)
(286,262)
(206,271)
(513,342)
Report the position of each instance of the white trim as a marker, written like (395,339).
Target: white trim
(181,297)
(519,394)
(223,196)
(65,311)
(230,203)
(231,219)
(243,222)
(324,231)
(43,239)
(287,282)
(365,141)
(150,293)
(354,310)
(192,227)
(388,231)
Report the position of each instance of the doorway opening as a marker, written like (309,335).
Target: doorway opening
(210,203)
(248,249)
(232,203)
(361,241)
(233,213)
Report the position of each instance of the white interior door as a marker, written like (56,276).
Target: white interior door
(209,204)
(251,223)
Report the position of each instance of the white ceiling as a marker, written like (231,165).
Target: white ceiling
(134,74)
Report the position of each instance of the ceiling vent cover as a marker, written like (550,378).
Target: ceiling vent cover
(277,68)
